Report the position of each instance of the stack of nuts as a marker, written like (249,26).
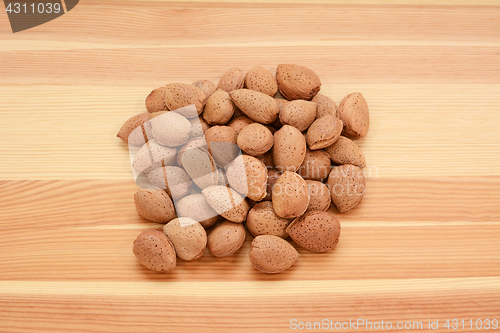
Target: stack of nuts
(242,153)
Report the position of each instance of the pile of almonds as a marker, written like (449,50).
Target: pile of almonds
(264,151)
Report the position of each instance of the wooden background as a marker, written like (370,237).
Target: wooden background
(423,244)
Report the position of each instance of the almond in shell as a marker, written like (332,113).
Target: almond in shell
(299,114)
(297,82)
(289,148)
(155,101)
(353,111)
(222,144)
(174,180)
(207,86)
(255,139)
(231,80)
(347,186)
(178,95)
(227,202)
(248,176)
(262,220)
(188,237)
(155,251)
(256,105)
(137,130)
(290,195)
(319,193)
(325,106)
(317,231)
(219,108)
(261,80)
(316,165)
(170,129)
(346,151)
(226,238)
(323,132)
(154,205)
(196,207)
(238,123)
(271,254)
(153,155)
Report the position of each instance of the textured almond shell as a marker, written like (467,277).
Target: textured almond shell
(316,165)
(238,123)
(289,148)
(323,132)
(207,86)
(227,202)
(261,80)
(353,111)
(200,166)
(196,207)
(255,139)
(297,82)
(174,180)
(153,155)
(154,205)
(347,186)
(248,176)
(178,95)
(219,108)
(325,106)
(290,195)
(155,101)
(272,177)
(226,239)
(170,129)
(262,220)
(319,194)
(231,80)
(346,151)
(271,254)
(317,231)
(136,131)
(188,237)
(222,145)
(299,114)
(155,251)
(256,105)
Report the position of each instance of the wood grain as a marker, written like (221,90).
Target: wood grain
(423,244)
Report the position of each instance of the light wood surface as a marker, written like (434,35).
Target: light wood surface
(424,244)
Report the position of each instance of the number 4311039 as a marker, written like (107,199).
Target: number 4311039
(485,324)
(40,8)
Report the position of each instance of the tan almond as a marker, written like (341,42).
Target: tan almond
(178,95)
(196,207)
(226,239)
(200,166)
(222,144)
(238,123)
(154,205)
(153,155)
(319,193)
(346,151)
(262,220)
(299,114)
(207,86)
(255,139)
(267,159)
(325,106)
(193,143)
(347,186)
(227,202)
(198,127)
(316,165)
(323,132)
(136,131)
(289,148)
(171,129)
(272,176)
(353,111)
(297,82)
(155,251)
(231,80)
(317,231)
(155,101)
(188,237)
(248,176)
(219,108)
(174,180)
(290,195)
(261,80)
(256,105)
(271,254)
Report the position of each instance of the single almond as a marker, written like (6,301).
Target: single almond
(219,108)
(174,180)
(227,203)
(316,165)
(155,101)
(238,123)
(297,82)
(231,80)
(319,194)
(290,195)
(154,205)
(226,239)
(271,254)
(255,139)
(261,80)
(171,129)
(222,144)
(353,111)
(155,251)
(178,95)
(188,237)
(346,151)
(196,207)
(207,86)
(317,231)
(136,131)
(256,105)
(198,127)
(323,132)
(200,166)
(325,106)
(299,114)
(248,176)
(289,148)
(153,155)
(263,220)
(347,186)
